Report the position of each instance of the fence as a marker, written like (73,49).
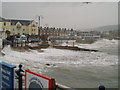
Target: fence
(32,79)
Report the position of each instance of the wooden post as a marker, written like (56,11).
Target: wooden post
(21,43)
(53,84)
(73,44)
(17,43)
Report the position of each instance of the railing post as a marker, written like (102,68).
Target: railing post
(18,72)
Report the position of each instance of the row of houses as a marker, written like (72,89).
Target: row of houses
(15,27)
(52,31)
(30,28)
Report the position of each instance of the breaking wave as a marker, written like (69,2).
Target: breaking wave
(61,58)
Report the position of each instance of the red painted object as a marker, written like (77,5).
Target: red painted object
(41,76)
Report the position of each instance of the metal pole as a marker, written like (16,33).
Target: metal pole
(18,72)
(39,21)
(39,26)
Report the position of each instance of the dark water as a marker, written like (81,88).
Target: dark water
(87,76)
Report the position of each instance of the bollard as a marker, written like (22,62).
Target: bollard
(101,87)
(18,72)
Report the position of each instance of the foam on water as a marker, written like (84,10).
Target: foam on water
(61,58)
(104,43)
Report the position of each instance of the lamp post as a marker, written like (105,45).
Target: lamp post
(39,21)
(39,27)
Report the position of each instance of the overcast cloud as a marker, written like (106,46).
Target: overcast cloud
(66,15)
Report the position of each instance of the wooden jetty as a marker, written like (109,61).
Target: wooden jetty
(37,46)
(73,48)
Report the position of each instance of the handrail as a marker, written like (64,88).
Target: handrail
(56,86)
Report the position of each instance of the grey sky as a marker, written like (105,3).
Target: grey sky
(65,15)
(0,8)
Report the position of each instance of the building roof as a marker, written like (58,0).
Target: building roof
(23,22)
(15,21)
(2,19)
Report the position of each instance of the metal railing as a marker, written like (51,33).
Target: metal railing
(55,86)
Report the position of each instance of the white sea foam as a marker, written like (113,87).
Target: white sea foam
(104,43)
(60,58)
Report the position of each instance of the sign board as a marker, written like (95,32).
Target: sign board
(37,81)
(7,76)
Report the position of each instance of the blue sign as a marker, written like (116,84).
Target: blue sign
(7,76)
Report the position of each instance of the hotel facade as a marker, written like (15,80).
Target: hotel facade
(19,27)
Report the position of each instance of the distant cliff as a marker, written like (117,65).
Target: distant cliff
(103,28)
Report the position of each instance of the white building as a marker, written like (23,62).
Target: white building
(92,35)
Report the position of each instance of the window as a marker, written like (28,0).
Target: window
(4,23)
(18,26)
(33,25)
